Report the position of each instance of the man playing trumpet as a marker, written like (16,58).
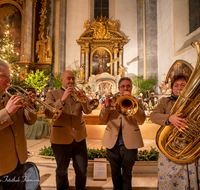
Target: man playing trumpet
(122,137)
(13,150)
(68,132)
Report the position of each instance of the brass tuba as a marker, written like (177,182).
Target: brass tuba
(183,145)
(124,105)
(19,90)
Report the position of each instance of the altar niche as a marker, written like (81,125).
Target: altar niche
(100,59)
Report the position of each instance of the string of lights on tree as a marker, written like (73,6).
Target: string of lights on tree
(7,53)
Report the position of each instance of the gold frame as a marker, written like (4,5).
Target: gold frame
(91,58)
(174,64)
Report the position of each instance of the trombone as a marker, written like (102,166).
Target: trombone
(93,104)
(26,99)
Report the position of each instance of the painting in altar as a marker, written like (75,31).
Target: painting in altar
(100,58)
(179,66)
(10,16)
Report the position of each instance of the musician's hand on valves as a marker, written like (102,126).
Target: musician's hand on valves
(108,100)
(81,92)
(14,103)
(177,121)
(68,91)
(31,96)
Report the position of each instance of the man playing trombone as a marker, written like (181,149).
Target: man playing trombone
(122,137)
(13,150)
(68,132)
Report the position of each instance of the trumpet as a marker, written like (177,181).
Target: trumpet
(93,104)
(124,105)
(26,99)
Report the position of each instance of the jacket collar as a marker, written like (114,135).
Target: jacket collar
(173,97)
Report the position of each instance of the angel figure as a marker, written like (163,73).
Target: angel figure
(121,71)
(81,73)
(86,25)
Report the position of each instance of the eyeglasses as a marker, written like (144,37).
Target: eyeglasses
(5,76)
(123,86)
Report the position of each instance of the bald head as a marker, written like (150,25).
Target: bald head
(68,77)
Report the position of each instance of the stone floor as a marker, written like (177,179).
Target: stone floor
(47,169)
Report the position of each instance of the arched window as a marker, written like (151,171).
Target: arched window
(194,14)
(101,7)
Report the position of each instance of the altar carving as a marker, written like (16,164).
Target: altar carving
(43,45)
(100,44)
(121,71)
(103,84)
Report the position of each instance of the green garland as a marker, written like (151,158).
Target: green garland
(143,155)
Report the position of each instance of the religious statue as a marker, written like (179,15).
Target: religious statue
(48,46)
(81,73)
(41,49)
(121,71)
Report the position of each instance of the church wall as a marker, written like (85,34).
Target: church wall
(77,13)
(126,14)
(170,37)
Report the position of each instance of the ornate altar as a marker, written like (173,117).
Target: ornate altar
(100,44)
(25,25)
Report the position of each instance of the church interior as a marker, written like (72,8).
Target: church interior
(101,41)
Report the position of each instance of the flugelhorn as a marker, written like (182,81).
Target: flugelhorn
(124,104)
(26,99)
(94,103)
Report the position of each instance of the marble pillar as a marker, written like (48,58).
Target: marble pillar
(33,35)
(56,44)
(147,38)
(62,36)
(27,33)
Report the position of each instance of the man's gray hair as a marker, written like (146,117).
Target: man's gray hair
(124,78)
(4,64)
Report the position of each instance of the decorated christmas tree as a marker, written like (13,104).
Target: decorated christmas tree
(7,53)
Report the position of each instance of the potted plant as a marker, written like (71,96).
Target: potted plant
(144,86)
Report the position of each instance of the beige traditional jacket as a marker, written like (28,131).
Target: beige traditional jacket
(161,112)
(70,125)
(12,137)
(130,129)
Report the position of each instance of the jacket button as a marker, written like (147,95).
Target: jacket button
(16,134)
(72,111)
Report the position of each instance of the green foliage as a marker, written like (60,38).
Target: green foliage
(147,155)
(143,86)
(57,82)
(75,73)
(46,151)
(96,153)
(7,53)
(38,80)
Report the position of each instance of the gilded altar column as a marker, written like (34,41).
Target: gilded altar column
(115,63)
(27,34)
(82,57)
(120,57)
(86,64)
(57,26)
